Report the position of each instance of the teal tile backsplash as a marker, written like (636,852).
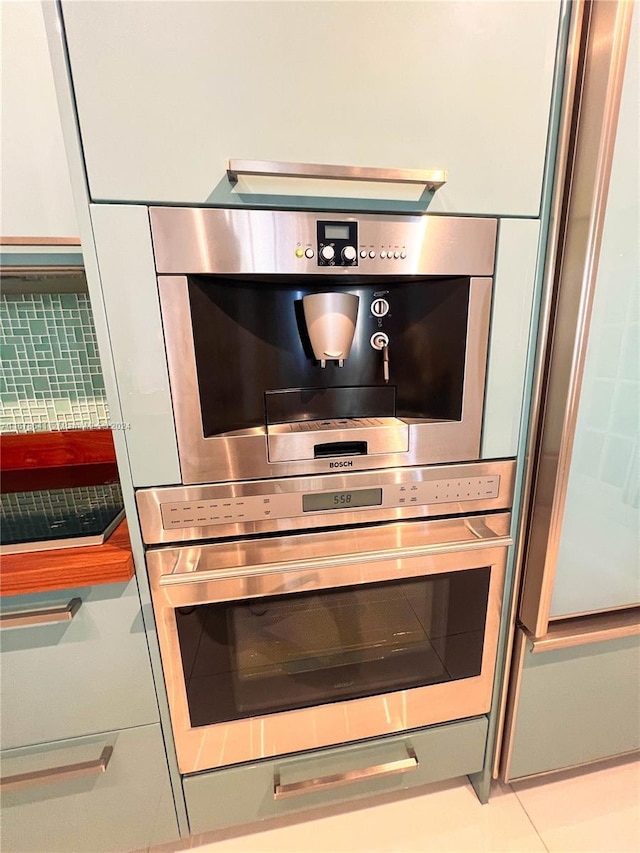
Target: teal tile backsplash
(50,376)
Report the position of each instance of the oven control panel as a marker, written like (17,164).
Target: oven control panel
(337,243)
(223,510)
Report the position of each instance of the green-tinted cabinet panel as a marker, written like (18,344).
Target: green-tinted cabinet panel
(34,182)
(460,86)
(128,806)
(599,557)
(87,675)
(244,794)
(577,705)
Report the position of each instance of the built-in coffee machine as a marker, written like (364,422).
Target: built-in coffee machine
(331,566)
(300,344)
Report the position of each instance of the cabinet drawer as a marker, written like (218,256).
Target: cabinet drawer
(576,705)
(460,86)
(72,802)
(88,674)
(254,792)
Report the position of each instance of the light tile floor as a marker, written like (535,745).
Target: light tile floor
(595,809)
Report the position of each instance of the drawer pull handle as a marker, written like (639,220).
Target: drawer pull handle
(432,178)
(58,774)
(323,783)
(45,616)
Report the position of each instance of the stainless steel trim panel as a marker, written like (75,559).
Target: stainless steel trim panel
(575,279)
(337,780)
(256,567)
(283,497)
(583,630)
(263,242)
(295,441)
(432,178)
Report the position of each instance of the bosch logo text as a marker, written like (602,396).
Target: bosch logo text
(346,464)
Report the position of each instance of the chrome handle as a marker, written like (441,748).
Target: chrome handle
(44,616)
(58,774)
(254,570)
(323,783)
(583,630)
(432,178)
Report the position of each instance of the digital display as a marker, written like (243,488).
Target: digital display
(342,500)
(336,232)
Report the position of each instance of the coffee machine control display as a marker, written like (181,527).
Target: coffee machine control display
(337,243)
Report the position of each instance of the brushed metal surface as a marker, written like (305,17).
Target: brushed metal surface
(432,178)
(257,567)
(243,454)
(575,280)
(223,744)
(290,490)
(583,630)
(336,780)
(296,441)
(263,242)
(57,774)
(41,616)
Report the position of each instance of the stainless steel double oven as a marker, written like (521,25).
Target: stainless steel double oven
(331,567)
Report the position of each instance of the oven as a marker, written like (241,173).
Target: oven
(287,642)
(331,567)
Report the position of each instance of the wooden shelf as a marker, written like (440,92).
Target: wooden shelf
(63,568)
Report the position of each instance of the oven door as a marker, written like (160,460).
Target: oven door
(284,644)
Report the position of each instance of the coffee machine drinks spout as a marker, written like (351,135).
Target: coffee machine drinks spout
(331,324)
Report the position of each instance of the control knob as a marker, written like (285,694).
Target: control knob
(327,253)
(379,307)
(349,254)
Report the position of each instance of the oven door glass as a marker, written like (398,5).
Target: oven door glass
(260,656)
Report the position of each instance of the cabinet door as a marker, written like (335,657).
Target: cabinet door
(598,564)
(100,794)
(36,191)
(85,675)
(574,705)
(167,91)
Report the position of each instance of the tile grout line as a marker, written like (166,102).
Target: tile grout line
(530,819)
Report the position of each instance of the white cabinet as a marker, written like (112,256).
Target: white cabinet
(167,91)
(34,180)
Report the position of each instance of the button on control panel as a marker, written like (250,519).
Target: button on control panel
(447,491)
(202,513)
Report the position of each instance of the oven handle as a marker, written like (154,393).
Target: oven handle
(324,783)
(484,536)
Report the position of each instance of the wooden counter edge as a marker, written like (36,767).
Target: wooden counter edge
(65,568)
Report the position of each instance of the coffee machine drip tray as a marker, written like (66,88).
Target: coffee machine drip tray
(319,439)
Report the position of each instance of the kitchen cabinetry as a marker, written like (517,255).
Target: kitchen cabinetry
(74,668)
(461,86)
(577,651)
(68,678)
(294,783)
(101,794)
(36,190)
(598,560)
(575,704)
(131,300)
